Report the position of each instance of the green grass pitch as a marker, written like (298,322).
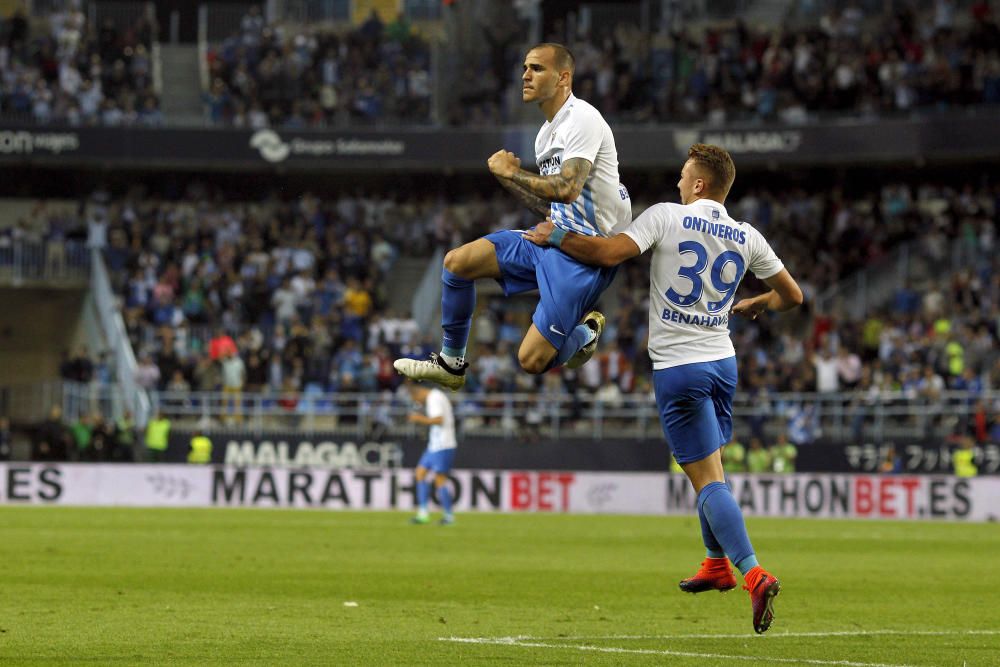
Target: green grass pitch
(208,587)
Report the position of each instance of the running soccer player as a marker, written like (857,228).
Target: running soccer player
(700,255)
(578,189)
(440,453)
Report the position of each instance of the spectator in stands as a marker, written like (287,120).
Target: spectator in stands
(201,448)
(734,457)
(826,372)
(758,458)
(82,431)
(124,438)
(54,440)
(102,440)
(221,345)
(157,437)
(147,373)
(783,455)
(963,459)
(892,463)
(849,369)
(233,379)
(803,423)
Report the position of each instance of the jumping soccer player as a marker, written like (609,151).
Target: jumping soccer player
(578,189)
(700,255)
(440,453)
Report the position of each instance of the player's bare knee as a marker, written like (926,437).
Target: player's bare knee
(532,363)
(455,261)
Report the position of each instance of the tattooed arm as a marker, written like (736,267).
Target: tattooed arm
(535,204)
(563,187)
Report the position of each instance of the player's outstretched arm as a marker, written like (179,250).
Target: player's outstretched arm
(564,187)
(593,250)
(785,294)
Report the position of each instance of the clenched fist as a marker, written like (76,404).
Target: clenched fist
(504,164)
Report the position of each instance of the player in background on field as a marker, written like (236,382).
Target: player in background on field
(577,187)
(700,254)
(439,456)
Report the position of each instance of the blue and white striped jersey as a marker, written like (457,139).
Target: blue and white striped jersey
(579,130)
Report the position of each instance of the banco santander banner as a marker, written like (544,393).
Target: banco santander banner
(939,136)
(797,495)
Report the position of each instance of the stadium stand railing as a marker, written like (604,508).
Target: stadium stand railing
(46,262)
(219,21)
(839,416)
(30,402)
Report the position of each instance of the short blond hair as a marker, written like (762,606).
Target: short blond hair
(716,164)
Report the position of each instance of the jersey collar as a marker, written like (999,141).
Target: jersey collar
(565,107)
(713,204)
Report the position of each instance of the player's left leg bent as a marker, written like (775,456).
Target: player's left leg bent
(567,290)
(462,267)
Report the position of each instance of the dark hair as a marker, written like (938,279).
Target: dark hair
(564,57)
(717,164)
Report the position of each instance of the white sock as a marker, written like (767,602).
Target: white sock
(454,362)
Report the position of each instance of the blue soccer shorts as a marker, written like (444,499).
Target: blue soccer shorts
(439,462)
(695,402)
(567,289)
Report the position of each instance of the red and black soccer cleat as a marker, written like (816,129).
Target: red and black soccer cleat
(714,575)
(763,588)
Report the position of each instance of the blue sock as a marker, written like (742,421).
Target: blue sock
(423,494)
(712,547)
(726,522)
(577,338)
(750,561)
(444,497)
(458,302)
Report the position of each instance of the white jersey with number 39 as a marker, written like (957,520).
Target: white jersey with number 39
(700,256)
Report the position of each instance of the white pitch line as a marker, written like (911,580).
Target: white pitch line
(836,633)
(516,641)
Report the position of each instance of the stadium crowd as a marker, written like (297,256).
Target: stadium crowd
(283,76)
(294,76)
(77,73)
(290,296)
(843,62)
(288,300)
(846,62)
